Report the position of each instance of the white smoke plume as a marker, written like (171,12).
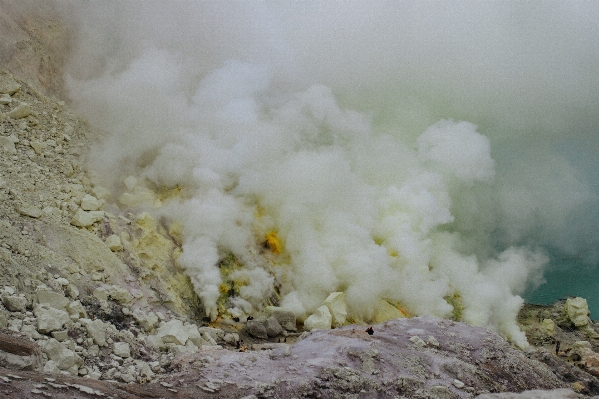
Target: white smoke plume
(405,151)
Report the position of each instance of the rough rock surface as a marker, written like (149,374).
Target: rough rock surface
(348,362)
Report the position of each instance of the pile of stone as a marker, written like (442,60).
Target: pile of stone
(72,343)
(276,322)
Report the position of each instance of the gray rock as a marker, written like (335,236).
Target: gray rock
(286,318)
(231,338)
(97,331)
(273,328)
(51,367)
(217,334)
(61,336)
(8,85)
(75,308)
(31,331)
(15,303)
(146,321)
(122,349)
(20,111)
(54,299)
(173,332)
(61,355)
(50,319)
(256,329)
(195,336)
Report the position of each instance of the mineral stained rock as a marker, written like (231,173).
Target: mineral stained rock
(349,363)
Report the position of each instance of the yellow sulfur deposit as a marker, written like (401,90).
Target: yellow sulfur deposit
(387,311)
(455,300)
(273,242)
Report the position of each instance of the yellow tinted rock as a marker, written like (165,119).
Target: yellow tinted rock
(114,243)
(336,304)
(577,311)
(385,311)
(21,111)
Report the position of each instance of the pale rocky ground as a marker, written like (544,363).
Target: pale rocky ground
(94,305)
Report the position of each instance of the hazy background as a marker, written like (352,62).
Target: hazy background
(402,150)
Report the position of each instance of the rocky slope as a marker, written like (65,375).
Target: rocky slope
(94,304)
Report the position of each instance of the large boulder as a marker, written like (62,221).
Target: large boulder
(173,332)
(256,329)
(286,318)
(96,331)
(576,311)
(321,319)
(337,307)
(61,355)
(15,303)
(273,328)
(50,319)
(53,299)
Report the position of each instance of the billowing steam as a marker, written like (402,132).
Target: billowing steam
(406,151)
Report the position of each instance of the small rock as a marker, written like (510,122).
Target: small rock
(51,367)
(273,328)
(173,332)
(15,303)
(72,291)
(20,111)
(127,199)
(114,243)
(101,193)
(37,147)
(90,203)
(231,338)
(209,340)
(458,384)
(146,321)
(416,340)
(115,292)
(122,349)
(50,319)
(29,210)
(76,308)
(97,331)
(256,329)
(8,85)
(216,334)
(127,377)
(432,340)
(61,336)
(194,336)
(7,145)
(84,218)
(5,99)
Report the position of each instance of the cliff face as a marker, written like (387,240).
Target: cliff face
(93,297)
(34,44)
